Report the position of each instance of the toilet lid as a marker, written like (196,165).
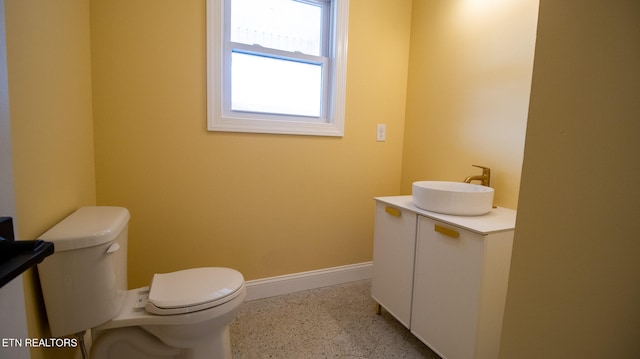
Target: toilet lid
(191,290)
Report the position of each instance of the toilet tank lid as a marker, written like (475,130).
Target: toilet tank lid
(87,227)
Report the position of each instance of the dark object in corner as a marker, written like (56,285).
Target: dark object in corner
(18,256)
(6,228)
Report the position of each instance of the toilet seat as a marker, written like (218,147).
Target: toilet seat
(192,290)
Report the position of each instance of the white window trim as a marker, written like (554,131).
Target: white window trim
(218,121)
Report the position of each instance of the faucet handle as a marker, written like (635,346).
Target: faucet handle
(486,173)
(483,167)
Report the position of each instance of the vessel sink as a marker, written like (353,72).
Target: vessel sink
(455,198)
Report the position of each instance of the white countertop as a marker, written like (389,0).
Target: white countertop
(497,220)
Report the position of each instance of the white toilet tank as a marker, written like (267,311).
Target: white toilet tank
(83,282)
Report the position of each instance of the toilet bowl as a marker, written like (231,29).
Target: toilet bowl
(183,314)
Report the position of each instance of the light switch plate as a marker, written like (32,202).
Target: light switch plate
(381,132)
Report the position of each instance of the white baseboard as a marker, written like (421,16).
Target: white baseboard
(284,284)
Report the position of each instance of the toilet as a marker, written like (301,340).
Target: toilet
(183,314)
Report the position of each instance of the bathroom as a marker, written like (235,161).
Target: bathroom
(108,106)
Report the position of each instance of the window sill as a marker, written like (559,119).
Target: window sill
(276,127)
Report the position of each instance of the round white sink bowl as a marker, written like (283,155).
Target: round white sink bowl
(455,198)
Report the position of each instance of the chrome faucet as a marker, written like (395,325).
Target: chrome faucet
(485,178)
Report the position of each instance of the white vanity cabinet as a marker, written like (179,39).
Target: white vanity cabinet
(393,257)
(460,286)
(460,269)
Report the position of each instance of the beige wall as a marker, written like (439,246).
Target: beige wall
(264,204)
(574,288)
(468,91)
(49,67)
(51,115)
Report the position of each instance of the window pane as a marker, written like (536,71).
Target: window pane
(268,85)
(286,25)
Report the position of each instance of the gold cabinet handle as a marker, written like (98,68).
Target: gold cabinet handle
(446,231)
(392,211)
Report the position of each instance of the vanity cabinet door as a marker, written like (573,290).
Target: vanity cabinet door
(393,258)
(446,299)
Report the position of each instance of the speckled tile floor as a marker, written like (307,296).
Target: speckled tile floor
(332,322)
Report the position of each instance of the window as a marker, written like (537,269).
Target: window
(277,66)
